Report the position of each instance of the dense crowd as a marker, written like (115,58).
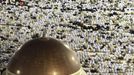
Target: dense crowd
(100,31)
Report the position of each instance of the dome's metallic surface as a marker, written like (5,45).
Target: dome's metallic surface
(44,56)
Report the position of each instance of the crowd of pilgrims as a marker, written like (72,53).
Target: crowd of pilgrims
(99,31)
